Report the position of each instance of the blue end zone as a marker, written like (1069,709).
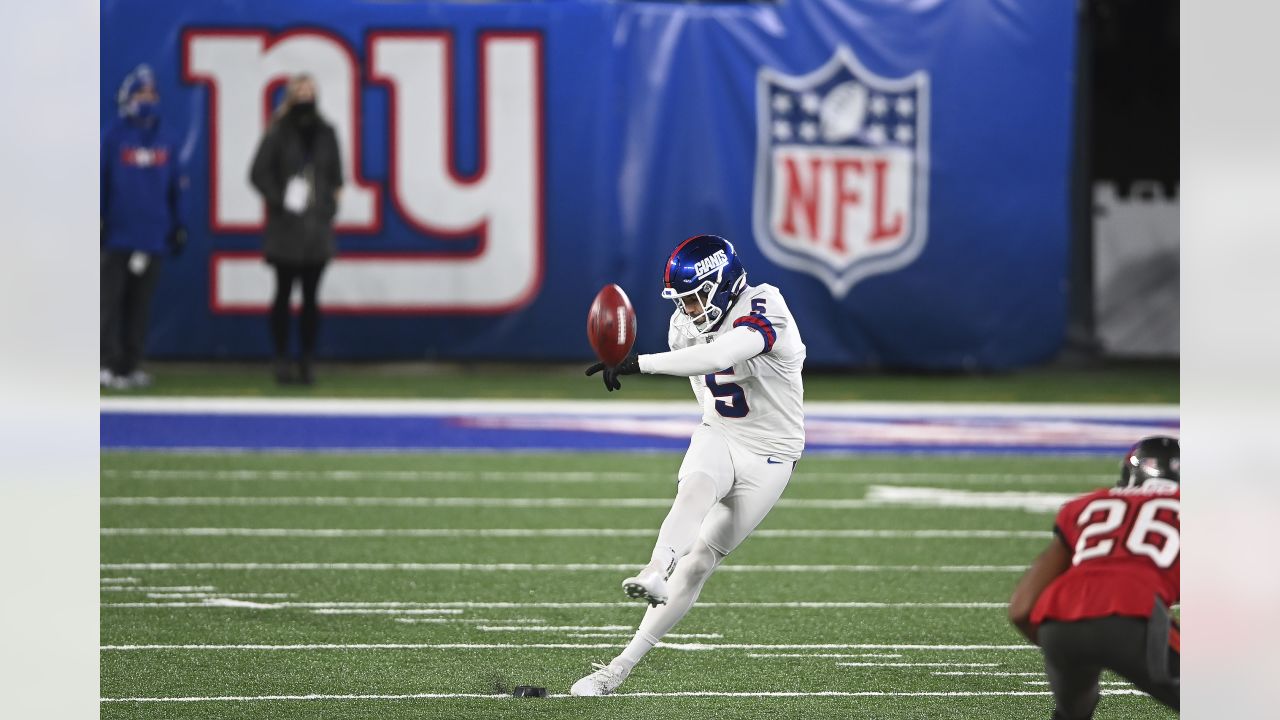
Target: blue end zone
(604,428)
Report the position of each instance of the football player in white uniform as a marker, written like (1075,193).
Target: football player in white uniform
(741,350)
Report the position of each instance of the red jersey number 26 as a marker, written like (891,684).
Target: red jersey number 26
(1103,516)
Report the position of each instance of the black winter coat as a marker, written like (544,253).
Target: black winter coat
(304,239)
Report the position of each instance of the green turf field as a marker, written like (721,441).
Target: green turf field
(420,583)
(1153,382)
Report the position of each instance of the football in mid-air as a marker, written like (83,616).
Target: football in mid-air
(611,325)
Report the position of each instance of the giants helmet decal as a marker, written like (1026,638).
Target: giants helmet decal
(707,268)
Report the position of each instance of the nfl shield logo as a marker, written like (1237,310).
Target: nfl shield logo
(841,183)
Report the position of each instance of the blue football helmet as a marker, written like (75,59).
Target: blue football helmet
(703,278)
(137,79)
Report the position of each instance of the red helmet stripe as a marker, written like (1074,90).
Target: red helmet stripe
(666,276)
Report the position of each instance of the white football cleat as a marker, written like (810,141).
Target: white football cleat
(603,681)
(649,585)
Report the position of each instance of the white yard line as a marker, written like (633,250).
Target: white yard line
(117,581)
(554,628)
(865,693)
(201,595)
(384,475)
(877,497)
(575,476)
(440,620)
(392,607)
(627,635)
(693,647)
(617,697)
(1104,683)
(990,673)
(387,611)
(158,588)
(951,498)
(824,655)
(560,532)
(551,567)
(915,664)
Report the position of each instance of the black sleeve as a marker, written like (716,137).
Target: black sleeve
(335,171)
(263,172)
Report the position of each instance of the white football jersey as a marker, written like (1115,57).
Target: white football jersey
(760,402)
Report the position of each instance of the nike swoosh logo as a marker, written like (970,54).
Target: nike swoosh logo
(771,461)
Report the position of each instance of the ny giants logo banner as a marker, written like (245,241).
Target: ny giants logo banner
(841,186)
(495,214)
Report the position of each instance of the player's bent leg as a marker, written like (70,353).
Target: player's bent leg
(756,489)
(694,499)
(1074,683)
(705,476)
(1149,662)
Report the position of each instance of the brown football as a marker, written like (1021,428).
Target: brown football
(611,325)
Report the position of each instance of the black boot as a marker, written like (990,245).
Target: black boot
(284,371)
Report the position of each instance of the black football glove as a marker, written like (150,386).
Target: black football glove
(630,366)
(177,241)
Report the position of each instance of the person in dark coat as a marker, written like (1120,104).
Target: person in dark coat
(298,172)
(140,186)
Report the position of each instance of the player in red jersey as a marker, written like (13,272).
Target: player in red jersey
(1099,595)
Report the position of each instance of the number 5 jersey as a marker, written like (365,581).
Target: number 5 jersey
(1125,552)
(758,402)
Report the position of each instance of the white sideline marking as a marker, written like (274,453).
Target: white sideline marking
(118,580)
(551,567)
(824,655)
(695,693)
(801,605)
(915,664)
(395,407)
(878,496)
(577,476)
(692,647)
(559,532)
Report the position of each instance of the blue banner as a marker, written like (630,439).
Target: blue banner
(899,170)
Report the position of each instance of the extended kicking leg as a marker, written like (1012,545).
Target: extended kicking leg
(685,585)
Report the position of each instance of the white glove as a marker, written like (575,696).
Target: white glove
(296,194)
